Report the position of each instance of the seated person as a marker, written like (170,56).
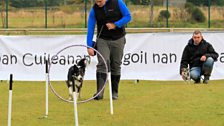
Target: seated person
(199,55)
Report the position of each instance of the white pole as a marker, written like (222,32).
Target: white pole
(46,113)
(10,108)
(75,106)
(75,109)
(10,101)
(110,94)
(47,82)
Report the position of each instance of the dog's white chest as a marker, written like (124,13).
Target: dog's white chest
(77,83)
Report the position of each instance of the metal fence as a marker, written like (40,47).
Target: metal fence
(74,14)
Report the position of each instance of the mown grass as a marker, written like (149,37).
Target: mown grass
(148,103)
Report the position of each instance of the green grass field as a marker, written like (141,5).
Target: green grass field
(148,103)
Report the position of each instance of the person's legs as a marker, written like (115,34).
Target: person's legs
(207,69)
(112,52)
(117,51)
(101,73)
(195,74)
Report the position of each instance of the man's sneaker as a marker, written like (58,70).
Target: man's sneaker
(198,81)
(206,79)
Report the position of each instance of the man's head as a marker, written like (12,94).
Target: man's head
(197,37)
(100,3)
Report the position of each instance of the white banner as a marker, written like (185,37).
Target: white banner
(147,56)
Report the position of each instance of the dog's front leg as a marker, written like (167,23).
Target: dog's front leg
(70,93)
(79,94)
(79,89)
(70,90)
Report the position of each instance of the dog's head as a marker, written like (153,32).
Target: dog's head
(79,70)
(186,74)
(82,63)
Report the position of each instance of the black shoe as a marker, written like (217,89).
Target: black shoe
(98,97)
(114,96)
(101,79)
(115,79)
(206,79)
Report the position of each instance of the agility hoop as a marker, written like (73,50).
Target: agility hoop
(71,101)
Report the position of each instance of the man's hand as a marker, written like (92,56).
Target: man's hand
(90,51)
(203,58)
(110,26)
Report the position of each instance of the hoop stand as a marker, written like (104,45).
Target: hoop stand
(110,94)
(10,101)
(46,84)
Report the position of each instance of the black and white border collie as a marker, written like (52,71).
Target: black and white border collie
(75,76)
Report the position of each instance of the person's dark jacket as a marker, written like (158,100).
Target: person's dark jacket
(192,54)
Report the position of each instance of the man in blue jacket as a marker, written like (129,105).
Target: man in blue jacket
(199,55)
(110,16)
